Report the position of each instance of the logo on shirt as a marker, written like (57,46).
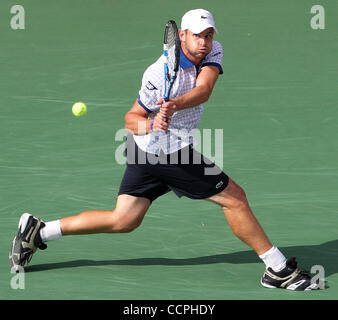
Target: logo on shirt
(203,17)
(216,54)
(150,86)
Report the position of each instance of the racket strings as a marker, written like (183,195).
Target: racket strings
(171,59)
(172,56)
(172,44)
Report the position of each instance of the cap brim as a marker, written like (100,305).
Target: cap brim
(202,28)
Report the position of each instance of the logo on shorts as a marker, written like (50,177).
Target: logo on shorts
(219,184)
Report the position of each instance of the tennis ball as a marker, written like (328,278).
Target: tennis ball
(79,109)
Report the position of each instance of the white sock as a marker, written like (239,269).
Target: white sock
(274,259)
(51,231)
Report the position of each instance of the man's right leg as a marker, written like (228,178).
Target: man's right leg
(33,232)
(127,216)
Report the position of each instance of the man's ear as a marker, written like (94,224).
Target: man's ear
(181,34)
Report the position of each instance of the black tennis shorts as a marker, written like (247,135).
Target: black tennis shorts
(186,172)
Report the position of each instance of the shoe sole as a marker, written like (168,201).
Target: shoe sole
(268,285)
(311,287)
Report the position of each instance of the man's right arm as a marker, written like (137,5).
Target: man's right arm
(136,121)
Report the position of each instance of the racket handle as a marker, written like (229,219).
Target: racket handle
(166,100)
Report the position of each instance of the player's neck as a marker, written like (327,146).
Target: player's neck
(195,61)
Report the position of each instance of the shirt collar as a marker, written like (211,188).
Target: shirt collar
(185,63)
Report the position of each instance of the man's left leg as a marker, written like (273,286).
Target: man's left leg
(280,272)
(240,217)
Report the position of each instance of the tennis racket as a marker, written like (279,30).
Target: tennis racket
(171,52)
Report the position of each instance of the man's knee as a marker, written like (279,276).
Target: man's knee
(232,197)
(124,223)
(128,213)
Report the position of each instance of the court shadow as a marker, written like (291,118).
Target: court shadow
(325,254)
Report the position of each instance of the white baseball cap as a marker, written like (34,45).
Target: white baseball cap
(198,20)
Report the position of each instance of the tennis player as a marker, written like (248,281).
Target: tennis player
(161,158)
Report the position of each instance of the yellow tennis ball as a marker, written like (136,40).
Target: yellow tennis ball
(79,109)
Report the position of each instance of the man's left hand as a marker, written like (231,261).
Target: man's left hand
(168,108)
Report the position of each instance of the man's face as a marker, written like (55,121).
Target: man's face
(198,45)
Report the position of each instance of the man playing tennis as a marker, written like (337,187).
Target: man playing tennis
(161,158)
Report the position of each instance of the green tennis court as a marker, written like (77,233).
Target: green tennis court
(276,104)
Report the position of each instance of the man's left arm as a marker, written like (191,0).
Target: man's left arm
(205,83)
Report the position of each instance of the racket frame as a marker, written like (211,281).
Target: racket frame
(169,79)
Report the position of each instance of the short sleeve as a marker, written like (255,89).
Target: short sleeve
(215,57)
(151,87)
